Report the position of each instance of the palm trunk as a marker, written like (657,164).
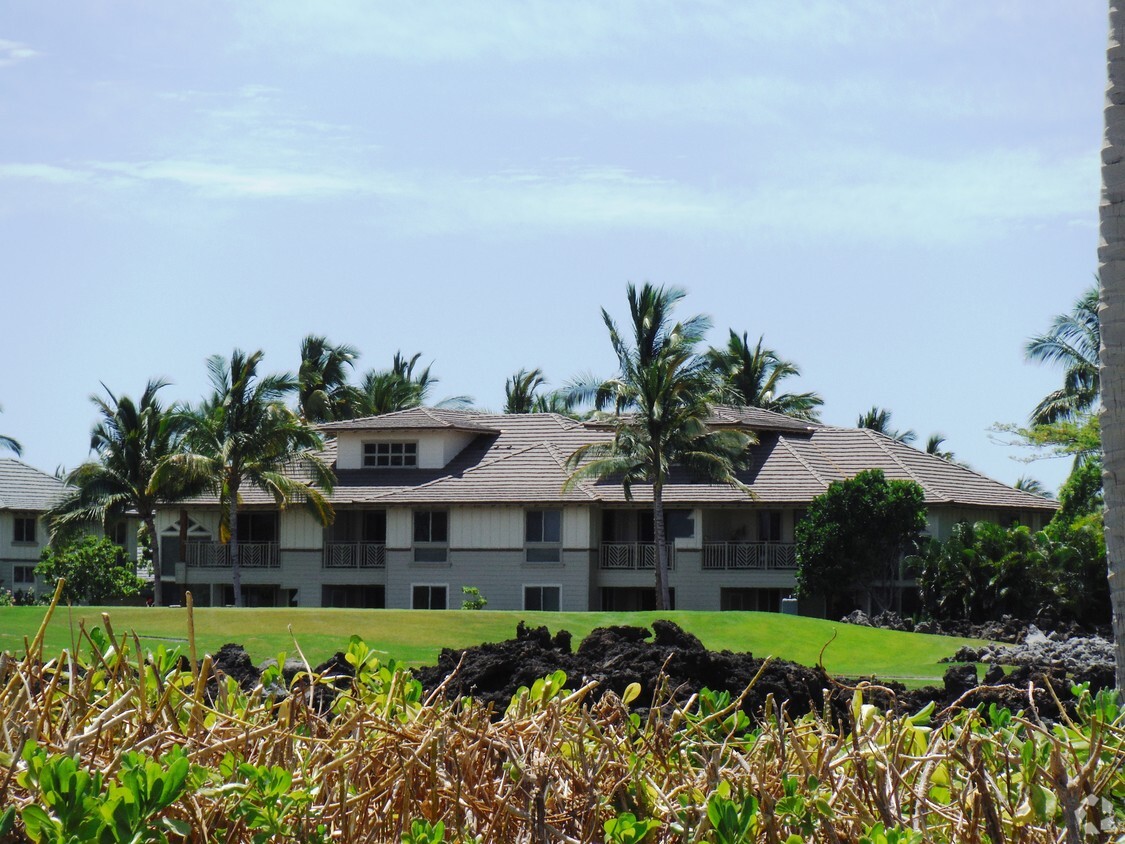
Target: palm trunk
(663,596)
(235,571)
(1111,268)
(157,590)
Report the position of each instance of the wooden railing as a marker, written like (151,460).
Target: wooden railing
(626,556)
(749,555)
(216,555)
(353,555)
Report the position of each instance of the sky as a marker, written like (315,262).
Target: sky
(895,195)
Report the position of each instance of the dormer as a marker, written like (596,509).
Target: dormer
(419,438)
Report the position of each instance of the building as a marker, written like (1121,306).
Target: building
(26,494)
(429,501)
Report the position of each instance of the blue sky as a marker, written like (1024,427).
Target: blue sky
(896,195)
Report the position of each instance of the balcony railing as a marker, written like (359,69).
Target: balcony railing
(626,556)
(761,556)
(355,555)
(216,555)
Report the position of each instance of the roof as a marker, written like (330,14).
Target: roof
(24,487)
(521,459)
(415,419)
(753,418)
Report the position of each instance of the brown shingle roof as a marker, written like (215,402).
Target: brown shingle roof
(415,419)
(521,459)
(23,487)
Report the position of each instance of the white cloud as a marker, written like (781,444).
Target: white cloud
(13,52)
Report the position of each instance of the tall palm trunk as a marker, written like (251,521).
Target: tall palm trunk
(157,589)
(1111,268)
(663,596)
(235,571)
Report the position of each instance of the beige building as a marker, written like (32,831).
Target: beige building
(429,501)
(26,494)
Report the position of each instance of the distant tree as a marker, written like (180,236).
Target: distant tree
(934,446)
(878,419)
(1024,483)
(245,434)
(96,570)
(521,390)
(323,392)
(399,388)
(131,440)
(522,395)
(10,444)
(662,399)
(752,375)
(1082,493)
(855,534)
(1073,341)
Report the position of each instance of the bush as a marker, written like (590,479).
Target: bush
(96,571)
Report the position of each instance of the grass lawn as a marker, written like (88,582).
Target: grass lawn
(416,637)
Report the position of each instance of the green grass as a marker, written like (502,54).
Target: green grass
(416,637)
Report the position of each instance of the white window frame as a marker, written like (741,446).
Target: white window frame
(16,579)
(444,586)
(381,454)
(541,586)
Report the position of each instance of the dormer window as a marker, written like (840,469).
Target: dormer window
(386,455)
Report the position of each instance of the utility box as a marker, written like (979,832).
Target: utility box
(789,606)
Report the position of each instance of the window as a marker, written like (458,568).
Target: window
(353,597)
(257,527)
(23,574)
(541,598)
(428,596)
(543,533)
(769,526)
(25,529)
(383,455)
(119,533)
(431,530)
(680,524)
(375,526)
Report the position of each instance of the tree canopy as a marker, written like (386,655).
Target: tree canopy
(854,535)
(96,570)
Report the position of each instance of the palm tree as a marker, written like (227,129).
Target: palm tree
(1031,485)
(131,440)
(878,419)
(662,401)
(324,394)
(1111,271)
(245,434)
(10,444)
(520,391)
(1073,341)
(752,375)
(399,388)
(521,395)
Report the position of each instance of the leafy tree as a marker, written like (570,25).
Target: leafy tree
(323,393)
(399,388)
(96,570)
(878,419)
(1072,341)
(662,399)
(245,434)
(10,444)
(855,534)
(131,440)
(752,374)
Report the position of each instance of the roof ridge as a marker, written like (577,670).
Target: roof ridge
(878,438)
(797,456)
(581,483)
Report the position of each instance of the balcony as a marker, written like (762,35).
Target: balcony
(216,555)
(757,556)
(633,556)
(354,555)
